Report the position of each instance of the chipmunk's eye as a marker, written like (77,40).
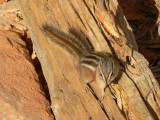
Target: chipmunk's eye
(112,73)
(113,68)
(100,74)
(111,76)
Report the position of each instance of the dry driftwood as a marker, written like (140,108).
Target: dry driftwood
(134,96)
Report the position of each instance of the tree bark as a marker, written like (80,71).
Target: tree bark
(135,95)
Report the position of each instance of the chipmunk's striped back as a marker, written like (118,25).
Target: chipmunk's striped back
(67,40)
(90,61)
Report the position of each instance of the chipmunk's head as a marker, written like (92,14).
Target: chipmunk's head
(108,69)
(100,67)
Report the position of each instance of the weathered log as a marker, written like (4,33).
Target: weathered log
(136,92)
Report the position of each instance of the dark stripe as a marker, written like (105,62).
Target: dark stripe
(91,56)
(90,63)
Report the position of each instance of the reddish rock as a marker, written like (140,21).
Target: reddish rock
(21,95)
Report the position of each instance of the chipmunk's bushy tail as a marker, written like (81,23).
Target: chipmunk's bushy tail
(67,40)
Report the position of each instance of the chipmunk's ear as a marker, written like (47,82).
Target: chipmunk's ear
(86,74)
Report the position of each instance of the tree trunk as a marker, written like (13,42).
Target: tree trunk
(134,96)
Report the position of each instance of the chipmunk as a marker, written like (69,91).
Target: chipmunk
(94,66)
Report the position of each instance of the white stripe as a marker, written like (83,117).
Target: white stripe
(89,66)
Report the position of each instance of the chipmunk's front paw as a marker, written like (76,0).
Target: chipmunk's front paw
(102,95)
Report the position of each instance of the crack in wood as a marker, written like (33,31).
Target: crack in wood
(99,102)
(74,9)
(63,14)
